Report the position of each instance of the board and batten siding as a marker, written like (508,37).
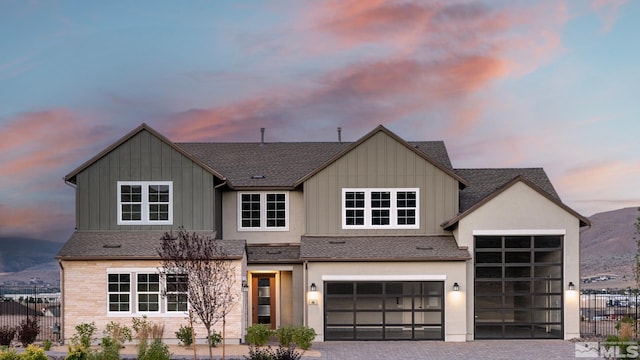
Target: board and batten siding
(144,157)
(379,162)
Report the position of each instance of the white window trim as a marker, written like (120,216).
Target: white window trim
(145,203)
(133,295)
(521,232)
(263,211)
(393,221)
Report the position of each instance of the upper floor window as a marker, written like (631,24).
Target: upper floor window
(145,203)
(380,208)
(263,211)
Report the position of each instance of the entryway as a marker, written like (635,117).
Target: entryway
(263,299)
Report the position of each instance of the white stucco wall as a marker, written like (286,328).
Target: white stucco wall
(455,318)
(521,210)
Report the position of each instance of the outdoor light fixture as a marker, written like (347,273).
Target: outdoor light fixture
(456,287)
(245,286)
(312,295)
(571,286)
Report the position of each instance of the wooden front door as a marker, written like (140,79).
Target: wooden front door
(263,299)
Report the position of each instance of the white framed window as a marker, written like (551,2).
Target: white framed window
(145,203)
(380,208)
(263,211)
(140,291)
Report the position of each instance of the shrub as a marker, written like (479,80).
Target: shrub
(285,335)
(256,353)
(258,334)
(185,335)
(77,352)
(157,351)
(46,344)
(282,353)
(28,331)
(84,334)
(9,354)
(7,333)
(119,334)
(303,336)
(215,339)
(33,352)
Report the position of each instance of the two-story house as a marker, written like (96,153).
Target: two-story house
(379,239)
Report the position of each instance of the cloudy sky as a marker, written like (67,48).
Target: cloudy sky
(548,84)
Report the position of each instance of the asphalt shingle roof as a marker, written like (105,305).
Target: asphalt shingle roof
(129,245)
(382,248)
(283,163)
(483,182)
(273,254)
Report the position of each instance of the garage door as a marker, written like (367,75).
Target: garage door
(410,310)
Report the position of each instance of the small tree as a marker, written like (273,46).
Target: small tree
(211,277)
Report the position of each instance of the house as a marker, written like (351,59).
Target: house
(378,239)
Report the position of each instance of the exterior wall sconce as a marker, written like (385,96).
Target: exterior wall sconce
(312,295)
(571,286)
(456,287)
(245,286)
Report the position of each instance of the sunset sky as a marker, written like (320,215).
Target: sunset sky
(548,84)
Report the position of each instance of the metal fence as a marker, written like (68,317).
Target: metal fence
(601,311)
(18,303)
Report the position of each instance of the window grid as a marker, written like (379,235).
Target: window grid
(145,203)
(119,288)
(148,292)
(177,286)
(263,211)
(380,208)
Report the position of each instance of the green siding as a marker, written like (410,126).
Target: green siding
(145,158)
(379,162)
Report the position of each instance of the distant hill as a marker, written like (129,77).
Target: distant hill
(22,259)
(608,247)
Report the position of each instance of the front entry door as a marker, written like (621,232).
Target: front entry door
(263,299)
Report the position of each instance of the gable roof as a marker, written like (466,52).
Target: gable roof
(70,177)
(383,129)
(551,196)
(120,245)
(381,248)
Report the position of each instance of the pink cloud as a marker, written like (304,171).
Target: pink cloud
(45,221)
(608,10)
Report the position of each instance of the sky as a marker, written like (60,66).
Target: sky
(552,84)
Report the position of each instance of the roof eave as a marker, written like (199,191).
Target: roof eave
(430,259)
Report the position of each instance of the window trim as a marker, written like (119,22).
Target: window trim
(263,211)
(144,218)
(393,221)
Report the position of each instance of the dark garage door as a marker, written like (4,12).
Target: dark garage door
(394,310)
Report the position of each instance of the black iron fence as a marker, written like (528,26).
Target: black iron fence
(601,311)
(18,303)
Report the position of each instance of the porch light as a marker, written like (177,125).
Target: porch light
(571,286)
(312,295)
(245,286)
(456,287)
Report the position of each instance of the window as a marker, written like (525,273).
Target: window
(141,291)
(263,211)
(145,203)
(380,208)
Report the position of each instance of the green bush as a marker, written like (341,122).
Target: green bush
(9,354)
(7,333)
(77,352)
(46,344)
(28,331)
(156,351)
(84,334)
(215,339)
(33,352)
(119,334)
(282,353)
(185,335)
(258,334)
(303,336)
(285,335)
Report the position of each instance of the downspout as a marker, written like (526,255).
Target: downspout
(61,303)
(305,286)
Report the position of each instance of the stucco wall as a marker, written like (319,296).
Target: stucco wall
(455,319)
(522,210)
(84,290)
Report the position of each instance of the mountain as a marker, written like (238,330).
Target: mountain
(22,259)
(608,248)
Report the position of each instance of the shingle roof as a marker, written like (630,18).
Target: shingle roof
(381,248)
(273,253)
(483,182)
(85,245)
(282,163)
